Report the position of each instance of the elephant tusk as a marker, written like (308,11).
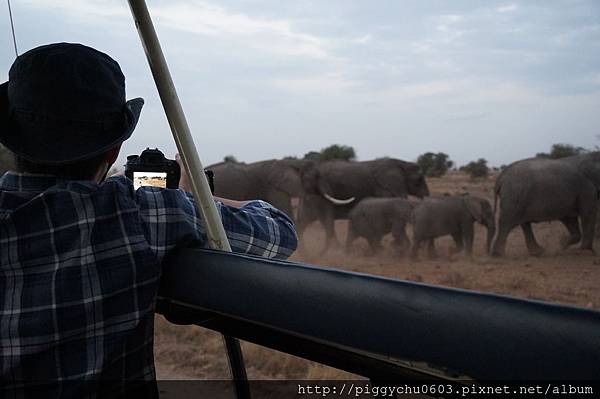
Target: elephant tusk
(339,201)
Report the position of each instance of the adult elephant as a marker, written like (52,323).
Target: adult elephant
(274,181)
(538,190)
(332,188)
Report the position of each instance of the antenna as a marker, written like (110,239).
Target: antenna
(12,27)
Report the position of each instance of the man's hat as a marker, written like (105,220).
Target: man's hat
(64,103)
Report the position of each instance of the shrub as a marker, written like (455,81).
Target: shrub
(477,168)
(229,158)
(434,165)
(335,151)
(561,150)
(312,156)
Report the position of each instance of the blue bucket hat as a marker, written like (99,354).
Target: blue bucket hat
(64,103)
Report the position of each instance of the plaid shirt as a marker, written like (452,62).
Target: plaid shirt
(79,270)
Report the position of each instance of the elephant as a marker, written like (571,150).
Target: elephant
(274,181)
(372,218)
(537,190)
(332,188)
(454,215)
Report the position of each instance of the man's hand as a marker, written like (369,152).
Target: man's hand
(184,180)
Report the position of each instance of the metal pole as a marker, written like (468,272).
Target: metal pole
(191,162)
(179,127)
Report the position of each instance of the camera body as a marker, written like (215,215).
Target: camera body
(152,168)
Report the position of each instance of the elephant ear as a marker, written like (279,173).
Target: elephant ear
(391,180)
(474,208)
(285,178)
(591,169)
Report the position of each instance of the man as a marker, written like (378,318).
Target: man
(80,254)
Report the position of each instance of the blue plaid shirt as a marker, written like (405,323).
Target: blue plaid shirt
(79,270)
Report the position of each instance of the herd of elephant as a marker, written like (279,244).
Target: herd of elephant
(373,196)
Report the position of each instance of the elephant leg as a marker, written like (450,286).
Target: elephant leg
(350,238)
(504,228)
(468,234)
(374,244)
(588,233)
(532,246)
(572,224)
(431,248)
(458,241)
(587,210)
(401,241)
(414,253)
(307,213)
(401,245)
(330,237)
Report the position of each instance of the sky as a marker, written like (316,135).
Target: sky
(262,79)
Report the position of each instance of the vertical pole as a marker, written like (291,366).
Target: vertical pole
(179,127)
(191,162)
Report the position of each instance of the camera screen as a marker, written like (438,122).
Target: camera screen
(156,179)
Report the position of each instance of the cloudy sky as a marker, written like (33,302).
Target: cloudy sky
(265,79)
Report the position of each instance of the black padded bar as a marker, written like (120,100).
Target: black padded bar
(365,364)
(482,336)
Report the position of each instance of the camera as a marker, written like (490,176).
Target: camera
(152,168)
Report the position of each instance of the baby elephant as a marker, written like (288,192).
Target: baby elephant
(438,216)
(372,218)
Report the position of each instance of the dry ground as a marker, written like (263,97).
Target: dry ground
(570,276)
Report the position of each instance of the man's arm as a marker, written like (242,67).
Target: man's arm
(170,218)
(253,227)
(230,202)
(258,228)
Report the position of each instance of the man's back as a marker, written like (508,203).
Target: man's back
(79,271)
(79,282)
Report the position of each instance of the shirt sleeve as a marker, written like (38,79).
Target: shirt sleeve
(171,219)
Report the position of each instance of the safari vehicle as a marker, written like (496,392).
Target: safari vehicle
(383,329)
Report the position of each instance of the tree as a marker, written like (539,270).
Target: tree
(477,168)
(335,151)
(561,150)
(229,158)
(434,165)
